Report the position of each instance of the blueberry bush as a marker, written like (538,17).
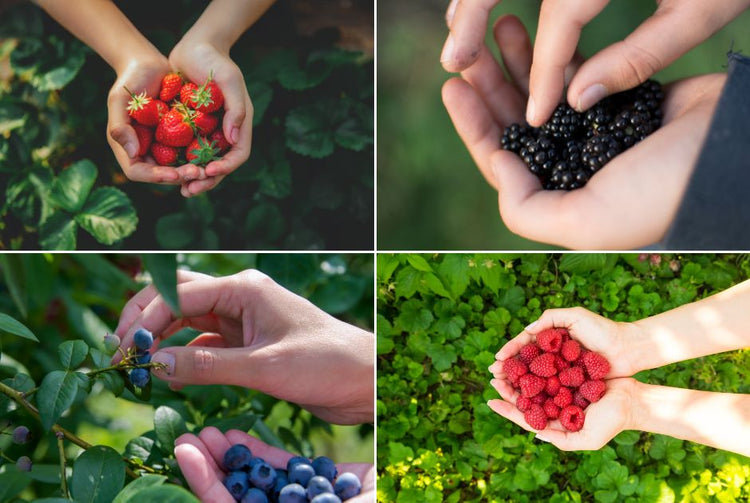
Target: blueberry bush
(307,185)
(64,409)
(442,318)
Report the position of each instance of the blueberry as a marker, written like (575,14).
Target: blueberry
(282,480)
(111,343)
(143,339)
(139,377)
(237,484)
(24,464)
(325,467)
(347,486)
(301,474)
(262,476)
(293,493)
(21,435)
(318,485)
(254,495)
(237,458)
(142,358)
(253,461)
(295,461)
(326,498)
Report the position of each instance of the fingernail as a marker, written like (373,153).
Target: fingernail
(542,438)
(530,326)
(530,110)
(130,149)
(167,359)
(448,50)
(591,96)
(451,12)
(235,134)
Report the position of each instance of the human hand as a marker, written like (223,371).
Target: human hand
(196,59)
(603,214)
(200,458)
(261,336)
(673,29)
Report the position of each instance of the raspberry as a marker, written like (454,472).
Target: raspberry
(529,352)
(21,435)
(543,365)
(531,385)
(580,400)
(540,398)
(564,123)
(563,398)
(553,386)
(596,365)
(560,363)
(572,417)
(550,409)
(523,403)
(550,340)
(572,377)
(570,350)
(592,390)
(535,417)
(514,369)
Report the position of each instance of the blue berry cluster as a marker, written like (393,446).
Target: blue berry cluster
(143,342)
(252,480)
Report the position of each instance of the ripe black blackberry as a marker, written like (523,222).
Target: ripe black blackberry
(597,118)
(630,127)
(565,122)
(598,151)
(566,176)
(540,154)
(514,136)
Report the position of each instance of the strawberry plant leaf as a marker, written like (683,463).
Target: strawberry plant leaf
(108,215)
(58,232)
(98,475)
(163,270)
(12,116)
(12,326)
(309,131)
(175,231)
(55,396)
(168,425)
(72,187)
(72,353)
(261,94)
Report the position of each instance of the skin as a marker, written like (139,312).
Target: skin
(655,172)
(712,325)
(201,456)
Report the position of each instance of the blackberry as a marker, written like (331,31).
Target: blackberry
(630,127)
(564,123)
(598,151)
(514,136)
(566,176)
(540,155)
(597,118)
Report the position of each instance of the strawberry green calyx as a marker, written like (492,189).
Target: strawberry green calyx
(201,152)
(137,101)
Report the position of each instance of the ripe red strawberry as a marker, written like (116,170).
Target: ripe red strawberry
(174,129)
(543,365)
(550,340)
(145,137)
(570,350)
(164,155)
(596,365)
(523,403)
(514,369)
(580,400)
(535,417)
(145,110)
(593,390)
(553,386)
(572,417)
(563,398)
(206,98)
(531,385)
(222,144)
(170,86)
(204,123)
(529,352)
(200,152)
(572,377)
(550,409)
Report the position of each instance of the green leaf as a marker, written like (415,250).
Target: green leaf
(442,356)
(58,232)
(85,321)
(175,231)
(108,215)
(12,326)
(56,393)
(454,269)
(340,293)
(71,188)
(12,482)
(61,75)
(356,132)
(98,475)
(414,317)
(167,493)
(13,271)
(72,353)
(419,263)
(309,130)
(12,117)
(261,94)
(139,448)
(267,435)
(580,263)
(168,425)
(163,270)
(130,491)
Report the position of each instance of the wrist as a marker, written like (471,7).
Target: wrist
(638,346)
(638,408)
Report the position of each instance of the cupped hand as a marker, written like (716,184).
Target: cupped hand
(604,419)
(138,75)
(259,335)
(200,459)
(196,60)
(630,203)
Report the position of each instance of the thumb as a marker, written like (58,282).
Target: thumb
(119,126)
(204,365)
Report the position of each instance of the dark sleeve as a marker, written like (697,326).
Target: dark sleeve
(715,212)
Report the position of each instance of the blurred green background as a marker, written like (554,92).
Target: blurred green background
(430,193)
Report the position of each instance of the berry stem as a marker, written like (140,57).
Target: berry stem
(63,462)
(6,458)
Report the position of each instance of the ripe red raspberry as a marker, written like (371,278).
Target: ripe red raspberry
(531,385)
(529,352)
(563,398)
(540,398)
(553,386)
(543,365)
(593,390)
(596,365)
(523,403)
(514,369)
(570,350)
(560,363)
(580,400)
(572,377)
(572,417)
(550,409)
(536,417)
(550,340)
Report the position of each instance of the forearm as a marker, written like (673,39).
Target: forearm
(712,325)
(102,26)
(719,420)
(224,21)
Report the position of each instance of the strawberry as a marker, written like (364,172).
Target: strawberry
(164,155)
(200,152)
(170,86)
(145,110)
(221,142)
(531,385)
(550,409)
(174,129)
(205,124)
(535,417)
(570,350)
(206,98)
(593,390)
(551,339)
(563,398)
(543,365)
(529,352)
(572,377)
(596,365)
(572,417)
(145,137)
(514,369)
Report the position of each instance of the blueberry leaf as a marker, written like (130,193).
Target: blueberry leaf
(72,353)
(12,326)
(98,475)
(55,395)
(163,270)
(168,425)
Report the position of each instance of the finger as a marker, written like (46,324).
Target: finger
(118,124)
(208,458)
(148,172)
(237,113)
(199,186)
(506,391)
(203,482)
(216,443)
(451,12)
(274,456)
(468,27)
(206,365)
(560,24)
(208,341)
(516,50)
(241,149)
(556,318)
(189,172)
(496,369)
